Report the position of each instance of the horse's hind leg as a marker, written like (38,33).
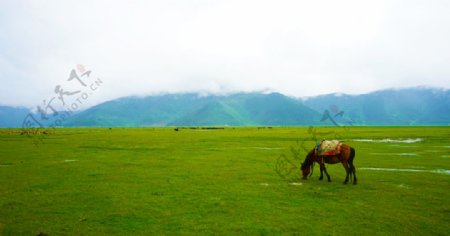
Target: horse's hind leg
(354,174)
(347,170)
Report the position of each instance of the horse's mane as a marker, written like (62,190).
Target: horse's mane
(309,159)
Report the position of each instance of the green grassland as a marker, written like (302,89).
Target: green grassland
(142,181)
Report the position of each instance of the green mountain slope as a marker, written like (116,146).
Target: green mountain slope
(251,109)
(214,113)
(137,111)
(194,110)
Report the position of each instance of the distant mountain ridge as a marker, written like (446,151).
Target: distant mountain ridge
(194,110)
(11,117)
(412,106)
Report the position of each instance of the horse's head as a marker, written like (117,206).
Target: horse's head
(306,169)
(308,165)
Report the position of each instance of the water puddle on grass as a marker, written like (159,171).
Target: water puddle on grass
(438,171)
(259,148)
(388,140)
(432,150)
(70,160)
(402,146)
(291,184)
(416,167)
(266,148)
(403,186)
(397,154)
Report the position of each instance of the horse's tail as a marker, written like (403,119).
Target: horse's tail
(352,156)
(350,160)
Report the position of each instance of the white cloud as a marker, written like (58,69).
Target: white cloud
(299,48)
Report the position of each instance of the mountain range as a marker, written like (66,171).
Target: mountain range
(411,106)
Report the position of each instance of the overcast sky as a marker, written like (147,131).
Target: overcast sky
(299,48)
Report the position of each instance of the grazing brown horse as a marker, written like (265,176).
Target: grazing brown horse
(346,157)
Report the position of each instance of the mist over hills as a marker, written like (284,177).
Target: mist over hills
(412,106)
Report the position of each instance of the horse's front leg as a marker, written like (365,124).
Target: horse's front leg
(322,167)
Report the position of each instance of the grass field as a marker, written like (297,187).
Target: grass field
(142,181)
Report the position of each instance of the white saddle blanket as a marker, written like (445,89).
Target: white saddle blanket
(329,147)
